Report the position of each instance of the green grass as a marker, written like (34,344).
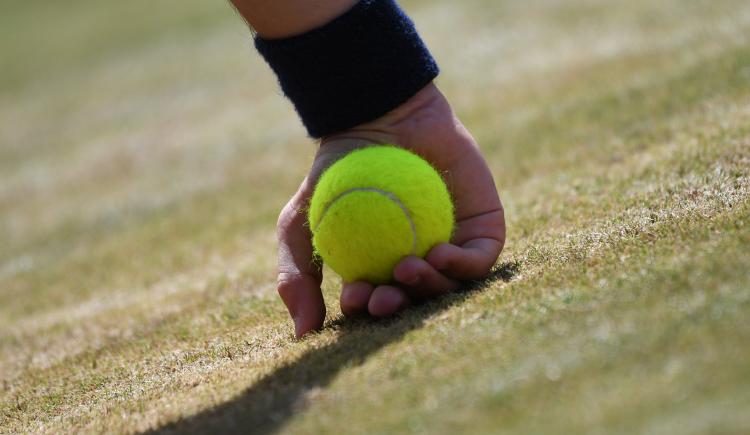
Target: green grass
(145,152)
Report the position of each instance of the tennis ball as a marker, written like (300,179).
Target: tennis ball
(375,206)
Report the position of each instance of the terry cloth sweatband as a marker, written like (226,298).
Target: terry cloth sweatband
(352,70)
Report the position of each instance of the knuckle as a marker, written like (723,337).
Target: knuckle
(289,216)
(289,277)
(286,282)
(293,280)
(284,215)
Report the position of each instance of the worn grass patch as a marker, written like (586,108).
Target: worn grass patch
(143,159)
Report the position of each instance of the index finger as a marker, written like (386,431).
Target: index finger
(299,278)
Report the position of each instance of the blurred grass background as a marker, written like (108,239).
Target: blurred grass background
(145,152)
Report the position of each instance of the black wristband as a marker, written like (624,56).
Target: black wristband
(352,70)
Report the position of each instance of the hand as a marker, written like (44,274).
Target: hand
(426,125)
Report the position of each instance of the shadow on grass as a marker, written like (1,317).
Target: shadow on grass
(267,405)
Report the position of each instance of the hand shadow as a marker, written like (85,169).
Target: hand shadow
(265,407)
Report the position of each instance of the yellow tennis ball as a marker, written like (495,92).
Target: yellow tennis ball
(375,206)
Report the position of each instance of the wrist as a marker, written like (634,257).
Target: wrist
(355,69)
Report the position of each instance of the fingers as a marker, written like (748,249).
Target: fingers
(478,243)
(298,277)
(386,300)
(362,297)
(421,280)
(438,273)
(303,299)
(473,260)
(354,297)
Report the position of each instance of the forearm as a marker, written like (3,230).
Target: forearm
(284,18)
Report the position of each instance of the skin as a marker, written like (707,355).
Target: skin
(284,18)
(424,124)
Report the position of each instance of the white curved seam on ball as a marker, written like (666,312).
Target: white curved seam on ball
(385,193)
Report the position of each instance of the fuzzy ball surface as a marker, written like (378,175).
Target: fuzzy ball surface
(375,206)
